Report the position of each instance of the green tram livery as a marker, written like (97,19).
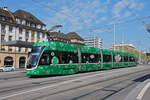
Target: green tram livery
(58,58)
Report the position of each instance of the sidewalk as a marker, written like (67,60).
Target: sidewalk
(20,69)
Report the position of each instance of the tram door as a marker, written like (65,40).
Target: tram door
(22,61)
(8,61)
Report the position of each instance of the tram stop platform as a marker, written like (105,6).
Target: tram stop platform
(141,92)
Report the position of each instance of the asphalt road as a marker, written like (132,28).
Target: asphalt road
(113,84)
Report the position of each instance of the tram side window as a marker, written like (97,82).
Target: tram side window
(125,58)
(117,58)
(131,59)
(69,57)
(121,59)
(90,58)
(45,59)
(66,57)
(85,57)
(114,60)
(107,58)
(74,57)
(94,58)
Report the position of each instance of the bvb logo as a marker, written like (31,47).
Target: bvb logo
(117,58)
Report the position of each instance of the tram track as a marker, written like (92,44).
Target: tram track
(39,82)
(33,84)
(105,88)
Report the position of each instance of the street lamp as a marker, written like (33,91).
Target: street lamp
(51,29)
(148,27)
(54,27)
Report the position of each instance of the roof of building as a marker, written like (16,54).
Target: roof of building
(58,35)
(130,45)
(28,16)
(4,13)
(74,35)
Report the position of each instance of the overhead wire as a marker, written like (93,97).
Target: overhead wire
(132,11)
(63,13)
(123,22)
(107,25)
(128,21)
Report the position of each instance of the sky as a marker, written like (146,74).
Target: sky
(93,17)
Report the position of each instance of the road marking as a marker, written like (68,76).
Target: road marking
(54,85)
(141,94)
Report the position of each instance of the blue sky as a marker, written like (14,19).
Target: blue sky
(93,17)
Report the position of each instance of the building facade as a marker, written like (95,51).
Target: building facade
(141,56)
(93,42)
(21,26)
(124,47)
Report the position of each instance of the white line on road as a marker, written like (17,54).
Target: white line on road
(50,86)
(140,95)
(58,84)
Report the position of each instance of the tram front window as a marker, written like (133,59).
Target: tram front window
(34,57)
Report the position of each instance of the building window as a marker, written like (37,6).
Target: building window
(10,20)
(26,49)
(10,28)
(10,38)
(23,22)
(9,48)
(3,29)
(8,61)
(20,21)
(3,18)
(38,35)
(32,25)
(3,38)
(43,35)
(0,17)
(27,39)
(27,33)
(3,48)
(20,38)
(38,26)
(20,30)
(19,49)
(33,33)
(27,23)
(43,27)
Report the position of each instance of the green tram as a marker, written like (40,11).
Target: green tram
(58,58)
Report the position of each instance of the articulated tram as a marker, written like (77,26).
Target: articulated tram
(58,58)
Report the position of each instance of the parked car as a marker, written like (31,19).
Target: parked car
(7,68)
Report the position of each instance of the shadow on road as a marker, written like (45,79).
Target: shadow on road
(143,78)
